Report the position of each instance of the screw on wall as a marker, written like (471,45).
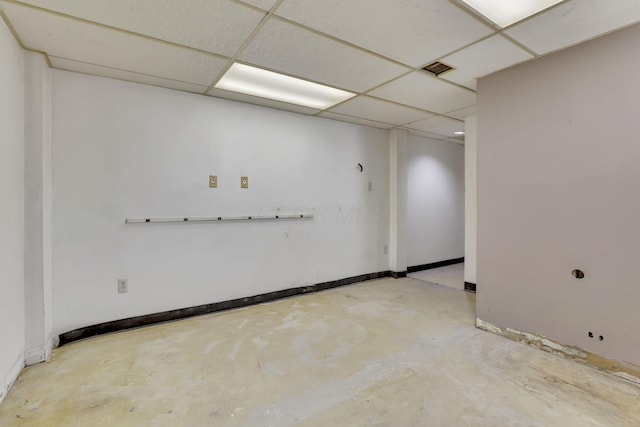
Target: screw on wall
(600,337)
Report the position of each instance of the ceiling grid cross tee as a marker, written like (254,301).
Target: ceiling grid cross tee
(374,49)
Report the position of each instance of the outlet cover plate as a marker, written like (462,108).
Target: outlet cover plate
(123,286)
(244,182)
(213,181)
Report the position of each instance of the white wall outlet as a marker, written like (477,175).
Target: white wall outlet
(123,286)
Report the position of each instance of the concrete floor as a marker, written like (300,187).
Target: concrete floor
(380,353)
(450,275)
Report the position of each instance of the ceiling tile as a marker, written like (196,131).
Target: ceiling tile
(235,96)
(426,92)
(410,31)
(573,22)
(439,125)
(79,41)
(425,134)
(462,113)
(355,120)
(482,58)
(97,70)
(262,4)
(285,47)
(382,111)
(218,26)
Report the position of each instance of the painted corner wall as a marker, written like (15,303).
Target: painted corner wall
(435,200)
(12,319)
(470,199)
(124,150)
(558,184)
(37,215)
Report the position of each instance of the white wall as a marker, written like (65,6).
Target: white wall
(435,213)
(127,150)
(12,324)
(470,198)
(37,233)
(398,232)
(558,180)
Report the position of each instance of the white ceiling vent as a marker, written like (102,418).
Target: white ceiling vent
(437,68)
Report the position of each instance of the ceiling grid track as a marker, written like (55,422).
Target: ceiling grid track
(244,45)
(370,103)
(112,28)
(13,31)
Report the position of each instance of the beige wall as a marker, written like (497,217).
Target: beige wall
(558,189)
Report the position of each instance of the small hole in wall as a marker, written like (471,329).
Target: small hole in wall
(590,334)
(601,338)
(578,274)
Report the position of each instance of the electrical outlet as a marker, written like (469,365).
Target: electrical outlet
(123,286)
(244,182)
(213,181)
(370,186)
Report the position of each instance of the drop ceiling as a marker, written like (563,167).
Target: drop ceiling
(374,48)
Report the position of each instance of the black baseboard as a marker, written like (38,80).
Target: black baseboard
(165,316)
(471,287)
(398,274)
(444,263)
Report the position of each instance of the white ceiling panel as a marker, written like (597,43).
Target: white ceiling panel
(285,47)
(219,26)
(97,70)
(235,96)
(482,58)
(439,125)
(425,92)
(425,134)
(355,120)
(462,113)
(262,4)
(573,22)
(410,31)
(382,111)
(79,41)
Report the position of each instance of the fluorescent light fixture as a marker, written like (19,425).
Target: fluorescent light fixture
(507,12)
(267,84)
(459,132)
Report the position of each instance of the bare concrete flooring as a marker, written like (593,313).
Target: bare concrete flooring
(381,353)
(450,275)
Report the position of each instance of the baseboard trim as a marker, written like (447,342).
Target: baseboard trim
(35,355)
(398,274)
(182,313)
(12,377)
(470,287)
(444,263)
(627,371)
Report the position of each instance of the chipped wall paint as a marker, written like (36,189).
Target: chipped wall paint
(627,371)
